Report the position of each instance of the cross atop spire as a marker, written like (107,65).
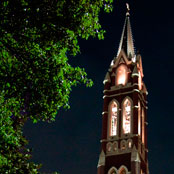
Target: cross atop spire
(126,42)
(128,9)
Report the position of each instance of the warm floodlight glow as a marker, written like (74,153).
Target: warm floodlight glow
(114,109)
(113,119)
(134,59)
(130,144)
(139,118)
(122,171)
(143,129)
(140,81)
(128,108)
(121,75)
(126,116)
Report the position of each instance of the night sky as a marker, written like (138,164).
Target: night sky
(71,145)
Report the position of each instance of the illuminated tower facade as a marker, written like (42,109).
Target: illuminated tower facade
(124,132)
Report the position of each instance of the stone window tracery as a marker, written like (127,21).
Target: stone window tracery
(126,116)
(113,118)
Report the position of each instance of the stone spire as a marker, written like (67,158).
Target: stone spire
(126,42)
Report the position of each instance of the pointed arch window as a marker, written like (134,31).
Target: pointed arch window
(121,75)
(123,170)
(127,107)
(113,118)
(112,170)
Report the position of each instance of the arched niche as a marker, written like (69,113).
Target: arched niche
(113,170)
(129,143)
(115,146)
(121,75)
(109,147)
(123,145)
(123,170)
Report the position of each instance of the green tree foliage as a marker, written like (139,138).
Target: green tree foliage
(14,156)
(35,77)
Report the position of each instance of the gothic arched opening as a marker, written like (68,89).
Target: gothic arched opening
(127,116)
(121,75)
(113,118)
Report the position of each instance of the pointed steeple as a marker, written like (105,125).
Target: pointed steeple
(126,42)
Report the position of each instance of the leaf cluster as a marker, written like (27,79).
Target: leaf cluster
(14,156)
(35,76)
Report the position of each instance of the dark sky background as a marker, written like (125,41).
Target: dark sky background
(71,145)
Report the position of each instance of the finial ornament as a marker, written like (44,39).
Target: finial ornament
(128,9)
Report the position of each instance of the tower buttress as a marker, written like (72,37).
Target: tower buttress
(101,163)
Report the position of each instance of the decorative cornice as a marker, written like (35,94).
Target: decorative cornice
(118,152)
(116,138)
(144,102)
(129,92)
(114,88)
(137,90)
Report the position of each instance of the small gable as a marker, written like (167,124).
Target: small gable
(121,58)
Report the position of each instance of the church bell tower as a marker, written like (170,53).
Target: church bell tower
(124,126)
